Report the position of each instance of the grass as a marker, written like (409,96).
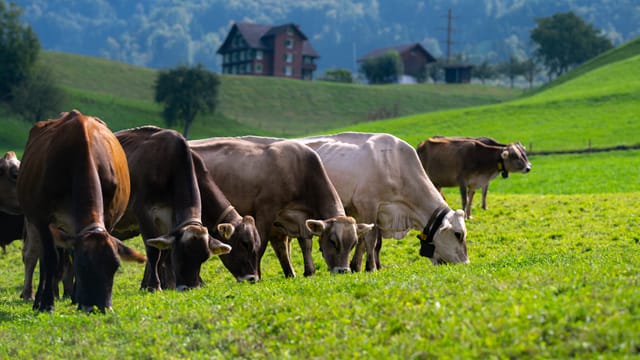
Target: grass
(540,284)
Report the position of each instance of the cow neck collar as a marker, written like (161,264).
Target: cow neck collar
(224,214)
(192,221)
(501,168)
(427,247)
(95,227)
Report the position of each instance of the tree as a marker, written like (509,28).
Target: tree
(19,48)
(484,71)
(511,69)
(530,70)
(37,97)
(384,69)
(186,92)
(564,40)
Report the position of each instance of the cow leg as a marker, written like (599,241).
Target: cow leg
(484,196)
(370,242)
(30,254)
(48,265)
(356,260)
(463,197)
(281,244)
(151,280)
(378,248)
(306,244)
(470,195)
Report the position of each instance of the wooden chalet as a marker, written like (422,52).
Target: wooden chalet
(414,58)
(283,50)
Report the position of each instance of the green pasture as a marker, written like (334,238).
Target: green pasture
(551,276)
(554,260)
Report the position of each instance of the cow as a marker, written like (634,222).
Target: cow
(11,228)
(73,188)
(9,168)
(286,189)
(165,206)
(470,164)
(380,180)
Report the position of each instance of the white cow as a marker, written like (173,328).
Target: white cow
(380,180)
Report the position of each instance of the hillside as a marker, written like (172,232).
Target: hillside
(160,33)
(597,107)
(122,95)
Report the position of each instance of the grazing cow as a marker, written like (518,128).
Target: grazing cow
(285,187)
(73,188)
(165,204)
(9,168)
(380,180)
(11,228)
(470,164)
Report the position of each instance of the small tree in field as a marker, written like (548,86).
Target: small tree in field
(186,92)
(19,48)
(37,97)
(384,69)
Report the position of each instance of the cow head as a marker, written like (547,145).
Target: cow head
(444,239)
(190,245)
(96,257)
(514,159)
(244,239)
(338,236)
(9,167)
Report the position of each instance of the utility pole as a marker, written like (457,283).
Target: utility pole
(449,31)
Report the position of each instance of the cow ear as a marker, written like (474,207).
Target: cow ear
(162,242)
(128,254)
(315,226)
(61,238)
(505,154)
(226,230)
(217,247)
(362,229)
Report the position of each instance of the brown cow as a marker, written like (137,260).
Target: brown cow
(9,168)
(470,163)
(165,204)
(73,188)
(285,187)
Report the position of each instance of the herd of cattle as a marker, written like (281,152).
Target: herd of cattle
(80,188)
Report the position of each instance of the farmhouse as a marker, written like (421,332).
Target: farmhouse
(283,50)
(414,60)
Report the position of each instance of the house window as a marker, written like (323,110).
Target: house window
(242,55)
(234,69)
(287,70)
(259,54)
(288,43)
(258,68)
(290,30)
(226,58)
(234,56)
(249,68)
(288,57)
(250,54)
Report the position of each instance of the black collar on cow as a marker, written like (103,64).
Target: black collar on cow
(427,247)
(224,214)
(502,168)
(192,221)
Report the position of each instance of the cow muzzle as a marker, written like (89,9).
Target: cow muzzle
(340,270)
